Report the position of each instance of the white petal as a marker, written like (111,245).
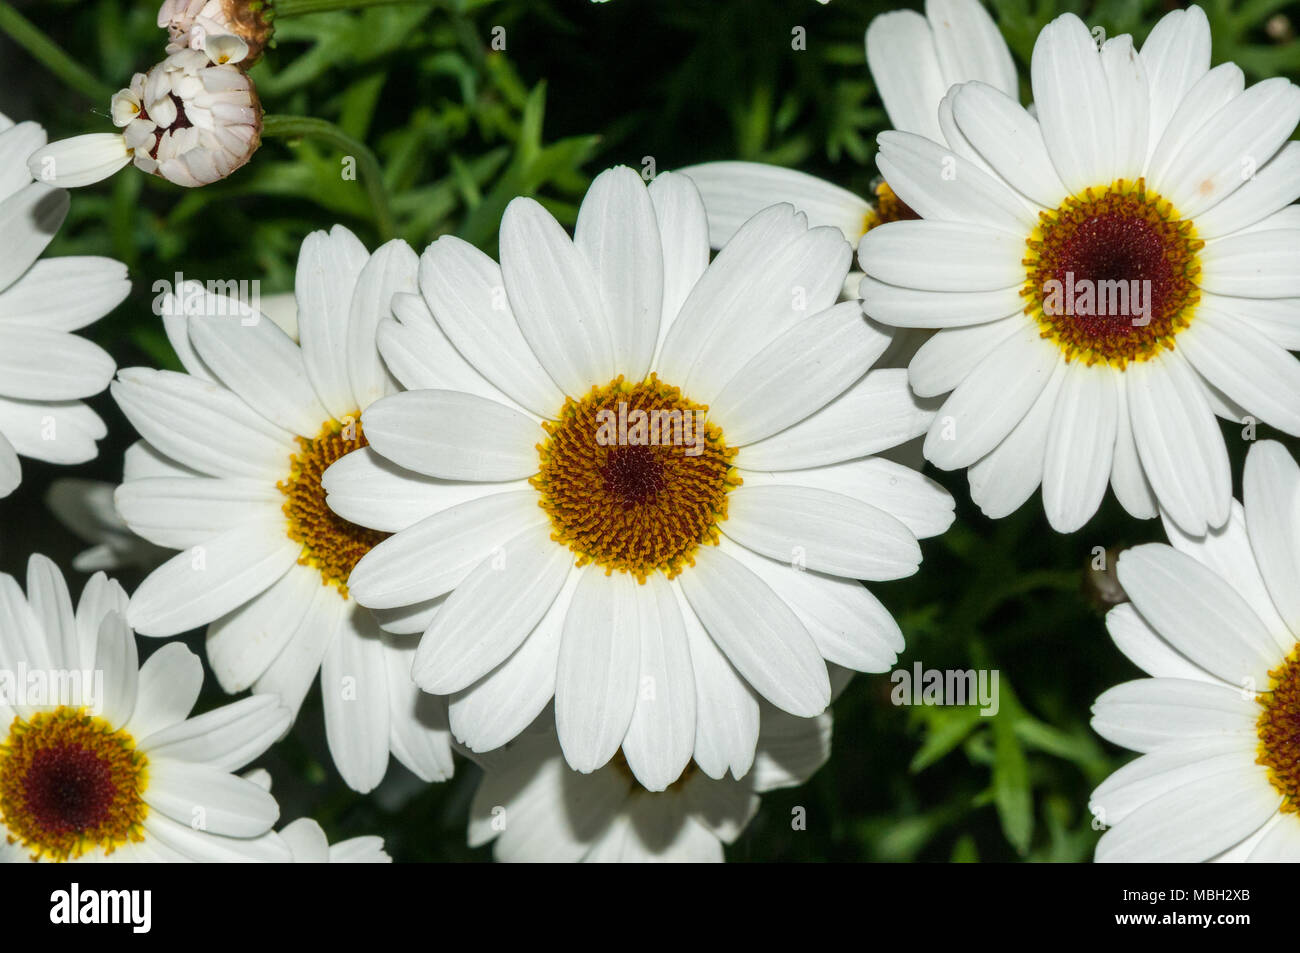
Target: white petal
(1199,614)
(758,632)
(418,733)
(202,425)
(454,436)
(771,392)
(684,236)
(877,412)
(467,294)
(735,192)
(1010,140)
(391,270)
(65,294)
(179,512)
(116,658)
(435,555)
(81,160)
(944,361)
(264,367)
(904,63)
(1073,100)
(226,738)
(1008,475)
(943,256)
(294,670)
(556,300)
(1144,647)
(1127,477)
(915,308)
(1178,442)
(1272,188)
(1149,713)
(492,611)
(1080,445)
(988,404)
(43,364)
(354,690)
(329,264)
(791,751)
(618,234)
(1176,55)
(170,681)
(1271,492)
(1212,91)
(661,735)
(504,702)
(726,709)
(600,658)
(936,184)
(209,800)
(826,531)
(200,584)
(242,644)
(1130,101)
(1253,264)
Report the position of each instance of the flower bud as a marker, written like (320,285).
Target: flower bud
(193,119)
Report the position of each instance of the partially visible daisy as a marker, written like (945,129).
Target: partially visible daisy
(1215,621)
(654,580)
(192,119)
(45,369)
(98,759)
(190,22)
(534,808)
(238,445)
(1106,276)
(913,59)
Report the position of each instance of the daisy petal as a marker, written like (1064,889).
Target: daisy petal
(1008,475)
(390,271)
(735,192)
(208,799)
(904,63)
(555,298)
(1176,55)
(1179,443)
(1010,140)
(226,738)
(943,256)
(1080,445)
(1074,107)
(944,361)
(454,436)
(329,264)
(170,681)
(758,632)
(1271,492)
(354,691)
(43,364)
(1253,264)
(492,611)
(600,657)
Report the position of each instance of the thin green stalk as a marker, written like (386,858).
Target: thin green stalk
(30,37)
(294,127)
(296,8)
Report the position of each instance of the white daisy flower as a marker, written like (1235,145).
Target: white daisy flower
(45,369)
(231,477)
(913,59)
(190,22)
(654,580)
(1215,621)
(193,119)
(1106,276)
(99,760)
(534,808)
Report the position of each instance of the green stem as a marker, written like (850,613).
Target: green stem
(297,8)
(293,127)
(29,36)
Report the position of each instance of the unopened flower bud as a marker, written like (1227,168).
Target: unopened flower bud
(193,119)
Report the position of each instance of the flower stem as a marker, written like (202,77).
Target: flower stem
(293,127)
(295,8)
(30,37)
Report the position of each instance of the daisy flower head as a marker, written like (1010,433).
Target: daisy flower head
(190,22)
(913,59)
(1105,277)
(98,757)
(636,481)
(193,119)
(1215,621)
(533,808)
(230,476)
(45,369)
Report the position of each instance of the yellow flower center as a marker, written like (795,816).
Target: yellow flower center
(1111,276)
(70,784)
(330,544)
(634,478)
(1279,730)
